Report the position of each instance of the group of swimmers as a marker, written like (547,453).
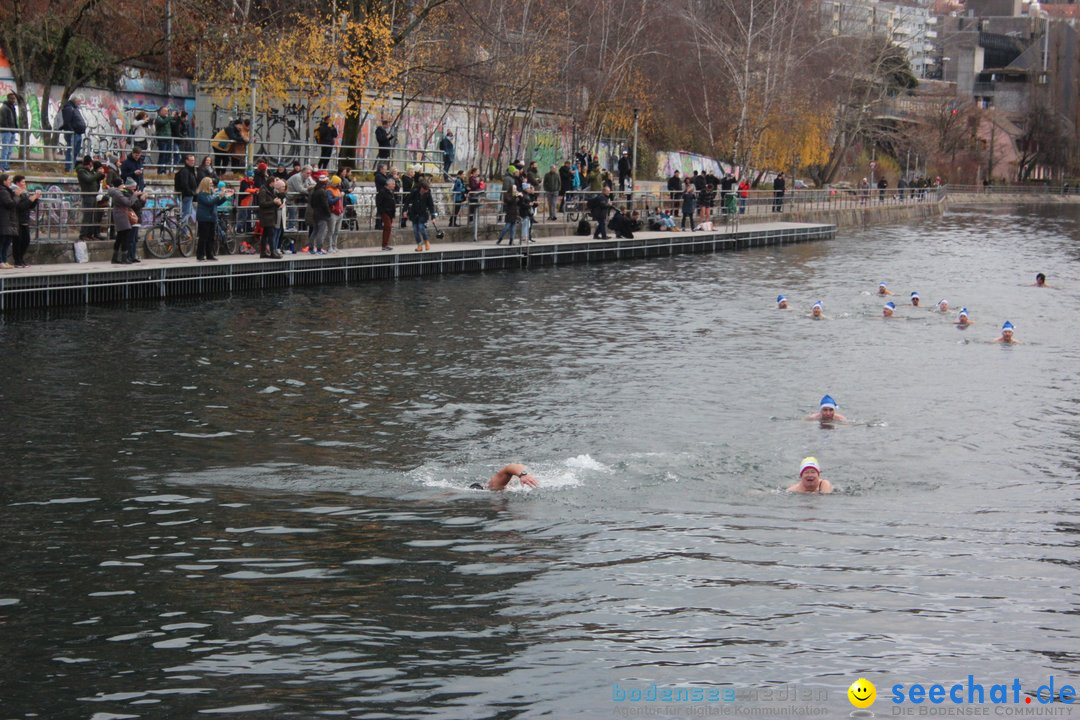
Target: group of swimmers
(810,479)
(963,317)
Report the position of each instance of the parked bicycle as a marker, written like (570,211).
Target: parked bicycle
(169,233)
(224,233)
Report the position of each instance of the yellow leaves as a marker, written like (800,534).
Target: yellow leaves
(311,58)
(794,138)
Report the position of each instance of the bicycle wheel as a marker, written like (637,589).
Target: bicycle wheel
(185,239)
(226,241)
(572,214)
(159,241)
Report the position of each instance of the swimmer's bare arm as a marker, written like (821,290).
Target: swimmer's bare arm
(824,486)
(501,479)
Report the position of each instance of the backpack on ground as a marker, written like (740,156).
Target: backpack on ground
(583,228)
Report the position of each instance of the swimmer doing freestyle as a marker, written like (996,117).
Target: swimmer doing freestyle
(810,480)
(501,479)
(827,414)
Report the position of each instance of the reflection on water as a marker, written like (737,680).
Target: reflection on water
(257,506)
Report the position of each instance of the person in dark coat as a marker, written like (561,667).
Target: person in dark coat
(326,135)
(675,188)
(207,200)
(689,204)
(421,210)
(124,201)
(510,212)
(271,202)
(90,176)
(132,167)
(626,166)
(385,139)
(319,214)
(779,186)
(9,221)
(599,206)
(72,122)
(566,183)
(386,206)
(9,124)
(447,147)
(25,202)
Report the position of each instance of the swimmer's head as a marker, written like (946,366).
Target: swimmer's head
(881,288)
(817,308)
(476,486)
(1040,279)
(828,408)
(962,318)
(781,302)
(1007,330)
(809,464)
(915,299)
(890,307)
(943,305)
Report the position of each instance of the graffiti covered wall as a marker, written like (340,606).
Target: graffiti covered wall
(668,161)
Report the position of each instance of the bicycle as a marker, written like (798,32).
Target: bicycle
(223,233)
(169,233)
(573,206)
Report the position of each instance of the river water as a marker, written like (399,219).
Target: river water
(257,506)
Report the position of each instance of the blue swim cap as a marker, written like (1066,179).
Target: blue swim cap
(914,294)
(828,402)
(780,299)
(818,304)
(1007,326)
(891,305)
(963,311)
(882,284)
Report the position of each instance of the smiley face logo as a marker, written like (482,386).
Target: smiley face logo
(862,693)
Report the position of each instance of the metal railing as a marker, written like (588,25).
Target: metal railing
(29,148)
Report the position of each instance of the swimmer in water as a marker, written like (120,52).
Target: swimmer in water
(1040,280)
(827,414)
(883,289)
(889,309)
(943,305)
(962,319)
(781,302)
(501,479)
(810,480)
(1007,335)
(915,299)
(817,312)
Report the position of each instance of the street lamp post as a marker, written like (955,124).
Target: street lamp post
(251,139)
(633,159)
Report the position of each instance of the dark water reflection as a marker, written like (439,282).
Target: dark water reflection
(256,506)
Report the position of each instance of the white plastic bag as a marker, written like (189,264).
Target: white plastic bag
(82,255)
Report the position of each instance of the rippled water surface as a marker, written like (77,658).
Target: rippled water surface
(257,506)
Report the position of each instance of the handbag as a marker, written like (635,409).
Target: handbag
(133,217)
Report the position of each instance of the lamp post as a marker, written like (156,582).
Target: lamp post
(251,139)
(633,159)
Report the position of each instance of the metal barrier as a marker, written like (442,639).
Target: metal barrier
(164,155)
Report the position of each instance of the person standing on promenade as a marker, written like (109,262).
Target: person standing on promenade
(744,195)
(502,478)
(510,213)
(271,200)
(319,214)
(9,222)
(89,175)
(459,194)
(72,122)
(689,204)
(163,130)
(207,199)
(9,126)
(25,202)
(132,167)
(421,210)
(810,480)
(446,145)
(779,187)
(386,206)
(325,136)
(626,167)
(476,187)
(675,188)
(126,203)
(552,184)
(385,138)
(599,206)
